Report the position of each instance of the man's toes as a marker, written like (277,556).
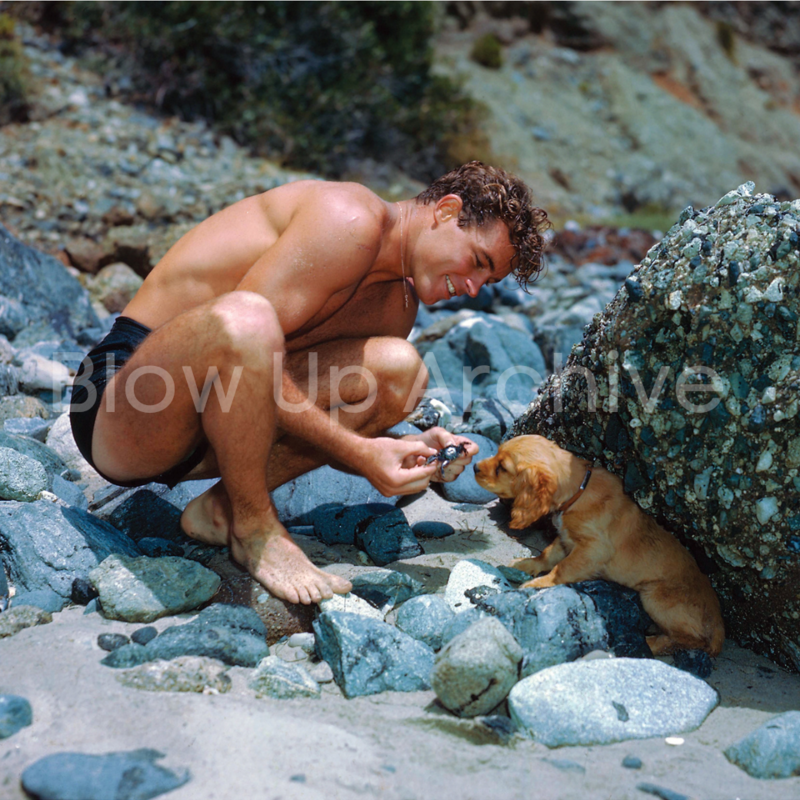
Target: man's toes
(305,597)
(315,593)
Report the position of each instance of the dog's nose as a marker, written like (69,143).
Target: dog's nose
(475,468)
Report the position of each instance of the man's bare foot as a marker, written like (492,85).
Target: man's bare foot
(208,517)
(278,564)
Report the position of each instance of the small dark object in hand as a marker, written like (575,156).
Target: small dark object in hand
(446,455)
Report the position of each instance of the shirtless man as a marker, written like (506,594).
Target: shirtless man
(291,309)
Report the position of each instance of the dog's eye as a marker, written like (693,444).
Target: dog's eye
(500,468)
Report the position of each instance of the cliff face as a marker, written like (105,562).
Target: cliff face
(615,107)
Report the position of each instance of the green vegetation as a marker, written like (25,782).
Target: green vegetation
(13,107)
(487,51)
(319,86)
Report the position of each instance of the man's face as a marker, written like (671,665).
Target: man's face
(450,260)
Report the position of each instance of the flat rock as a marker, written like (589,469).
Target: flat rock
(295,501)
(475,671)
(132,775)
(45,599)
(369,656)
(771,751)
(471,573)
(232,634)
(182,674)
(276,678)
(352,604)
(145,589)
(14,620)
(429,529)
(609,700)
(46,546)
(15,714)
(337,524)
(386,588)
(21,477)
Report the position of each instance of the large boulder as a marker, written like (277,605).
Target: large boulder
(38,295)
(696,364)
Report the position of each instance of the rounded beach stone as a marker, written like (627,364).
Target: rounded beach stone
(21,478)
(771,751)
(144,589)
(425,618)
(274,677)
(475,671)
(470,573)
(609,700)
(428,529)
(15,713)
(144,635)
(182,674)
(111,641)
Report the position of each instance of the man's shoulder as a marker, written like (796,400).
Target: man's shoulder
(338,205)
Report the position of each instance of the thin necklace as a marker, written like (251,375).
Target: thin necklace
(402,258)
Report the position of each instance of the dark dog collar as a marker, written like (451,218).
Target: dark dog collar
(584,483)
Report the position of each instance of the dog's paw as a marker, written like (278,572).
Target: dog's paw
(544,582)
(528,565)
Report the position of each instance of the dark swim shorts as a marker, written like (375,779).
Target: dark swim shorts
(96,370)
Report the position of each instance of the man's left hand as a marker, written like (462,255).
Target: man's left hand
(438,439)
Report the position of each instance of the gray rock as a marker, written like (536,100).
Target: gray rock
(185,492)
(461,621)
(717,464)
(145,589)
(428,529)
(425,618)
(771,751)
(130,775)
(464,488)
(43,289)
(609,700)
(145,515)
(32,448)
(21,478)
(67,491)
(46,546)
(155,547)
(386,588)
(15,714)
(387,538)
(475,671)
(487,417)
(24,426)
(368,656)
(563,623)
(182,674)
(45,599)
(281,680)
(295,501)
(352,604)
(338,524)
(233,634)
(14,620)
(468,574)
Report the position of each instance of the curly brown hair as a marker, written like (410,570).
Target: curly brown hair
(490,193)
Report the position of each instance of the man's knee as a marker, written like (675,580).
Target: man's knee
(247,323)
(403,375)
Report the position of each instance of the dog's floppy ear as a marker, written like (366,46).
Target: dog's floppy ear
(534,489)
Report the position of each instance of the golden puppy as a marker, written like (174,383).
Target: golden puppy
(604,534)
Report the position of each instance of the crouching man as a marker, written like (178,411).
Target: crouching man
(271,339)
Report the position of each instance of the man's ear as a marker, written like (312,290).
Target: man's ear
(534,489)
(448,207)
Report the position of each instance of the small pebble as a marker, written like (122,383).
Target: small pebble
(111,641)
(631,762)
(428,529)
(144,635)
(675,741)
(82,592)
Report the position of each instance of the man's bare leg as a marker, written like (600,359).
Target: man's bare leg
(236,330)
(396,366)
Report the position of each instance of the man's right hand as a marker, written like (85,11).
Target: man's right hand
(390,465)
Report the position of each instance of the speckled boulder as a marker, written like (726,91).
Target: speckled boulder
(715,456)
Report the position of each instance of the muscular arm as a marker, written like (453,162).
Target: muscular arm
(324,251)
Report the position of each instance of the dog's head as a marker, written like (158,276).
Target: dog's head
(528,469)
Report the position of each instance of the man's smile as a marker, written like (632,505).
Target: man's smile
(450,287)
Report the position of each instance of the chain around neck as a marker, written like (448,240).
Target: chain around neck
(403,258)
